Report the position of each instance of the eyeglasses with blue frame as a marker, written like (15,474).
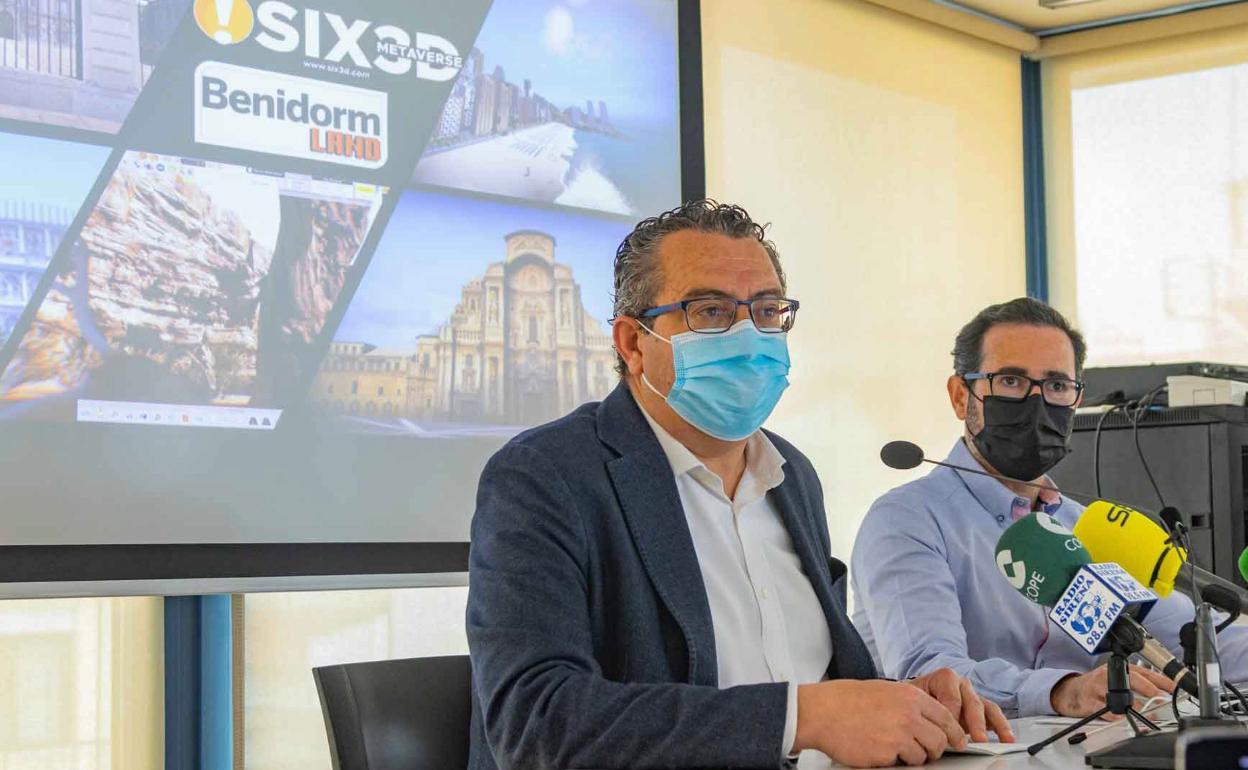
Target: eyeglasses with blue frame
(716,315)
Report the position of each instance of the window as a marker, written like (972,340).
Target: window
(10,237)
(381,390)
(43,37)
(81,686)
(290,633)
(36,239)
(355,387)
(10,287)
(329,388)
(1150,200)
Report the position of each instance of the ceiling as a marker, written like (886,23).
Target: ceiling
(1030,15)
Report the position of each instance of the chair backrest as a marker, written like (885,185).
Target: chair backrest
(410,714)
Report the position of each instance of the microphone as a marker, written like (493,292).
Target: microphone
(905,455)
(1093,603)
(1243,564)
(1156,566)
(1117,533)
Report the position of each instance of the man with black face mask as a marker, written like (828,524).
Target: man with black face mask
(928,593)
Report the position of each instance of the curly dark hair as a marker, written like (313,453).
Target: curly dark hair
(638,273)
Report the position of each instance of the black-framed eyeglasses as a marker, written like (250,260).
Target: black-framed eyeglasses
(1057,391)
(715,315)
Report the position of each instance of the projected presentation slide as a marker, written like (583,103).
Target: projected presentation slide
(192,284)
(42,184)
(573,103)
(279,271)
(472,331)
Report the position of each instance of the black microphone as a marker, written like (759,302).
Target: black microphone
(1173,520)
(1221,593)
(904,455)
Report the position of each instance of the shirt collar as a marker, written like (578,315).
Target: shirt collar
(992,494)
(762,459)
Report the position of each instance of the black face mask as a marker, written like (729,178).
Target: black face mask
(1024,439)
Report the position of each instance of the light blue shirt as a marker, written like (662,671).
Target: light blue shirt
(928,595)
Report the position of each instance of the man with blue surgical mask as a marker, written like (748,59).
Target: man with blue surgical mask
(651,578)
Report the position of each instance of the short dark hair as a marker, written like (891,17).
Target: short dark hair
(968,346)
(638,274)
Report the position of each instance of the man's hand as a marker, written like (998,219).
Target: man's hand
(874,723)
(976,715)
(1084,694)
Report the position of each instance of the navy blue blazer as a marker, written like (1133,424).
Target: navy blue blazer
(588,622)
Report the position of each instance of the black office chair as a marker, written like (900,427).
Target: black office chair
(409,714)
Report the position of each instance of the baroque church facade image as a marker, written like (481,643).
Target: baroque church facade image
(519,349)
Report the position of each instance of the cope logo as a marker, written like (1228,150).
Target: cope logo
(1013,571)
(329,40)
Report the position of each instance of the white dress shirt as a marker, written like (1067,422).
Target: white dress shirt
(768,623)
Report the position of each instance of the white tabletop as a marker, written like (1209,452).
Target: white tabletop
(1058,756)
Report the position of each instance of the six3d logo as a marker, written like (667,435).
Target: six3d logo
(329,39)
(253,109)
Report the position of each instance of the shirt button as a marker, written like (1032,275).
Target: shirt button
(766,593)
(1000,519)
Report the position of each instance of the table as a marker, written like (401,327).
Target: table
(1058,756)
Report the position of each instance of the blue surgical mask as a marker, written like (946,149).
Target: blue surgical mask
(727,384)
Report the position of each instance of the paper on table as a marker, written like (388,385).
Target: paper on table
(990,749)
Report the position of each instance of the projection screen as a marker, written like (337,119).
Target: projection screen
(276,278)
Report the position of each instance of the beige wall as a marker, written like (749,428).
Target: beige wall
(887,153)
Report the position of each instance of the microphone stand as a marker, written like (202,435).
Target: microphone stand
(1204,639)
(1118,698)
(1157,750)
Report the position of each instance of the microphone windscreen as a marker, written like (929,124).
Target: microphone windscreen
(902,455)
(1243,564)
(1039,557)
(1124,535)
(1171,519)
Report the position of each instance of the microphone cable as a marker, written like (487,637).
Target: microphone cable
(1096,445)
(1141,406)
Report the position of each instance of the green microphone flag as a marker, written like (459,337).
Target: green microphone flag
(1039,557)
